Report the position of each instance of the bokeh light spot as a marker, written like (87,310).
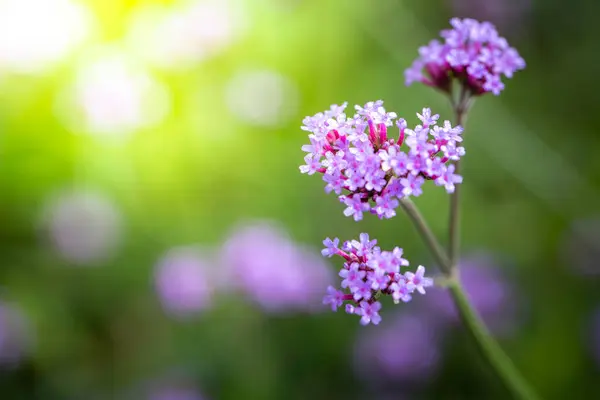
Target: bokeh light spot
(35,34)
(113,96)
(180,36)
(84,227)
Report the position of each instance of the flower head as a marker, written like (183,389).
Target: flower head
(367,168)
(472,52)
(368,273)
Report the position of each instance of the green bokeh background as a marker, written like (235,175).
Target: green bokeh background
(531,169)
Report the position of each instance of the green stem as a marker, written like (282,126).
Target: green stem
(488,347)
(428,237)
(460,111)
(454,222)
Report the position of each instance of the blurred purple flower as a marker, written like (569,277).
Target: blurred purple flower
(15,335)
(594,337)
(183,282)
(507,15)
(274,272)
(491,292)
(580,246)
(84,227)
(407,350)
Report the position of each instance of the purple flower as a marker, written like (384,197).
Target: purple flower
(472,53)
(313,164)
(418,280)
(352,276)
(427,118)
(334,297)
(370,170)
(363,247)
(382,261)
(493,84)
(396,258)
(276,273)
(356,206)
(458,58)
(369,273)
(412,185)
(508,15)
(182,281)
(405,350)
(385,206)
(331,247)
(448,178)
(379,279)
(395,160)
(374,181)
(401,291)
(362,291)
(334,162)
(335,183)
(15,335)
(369,313)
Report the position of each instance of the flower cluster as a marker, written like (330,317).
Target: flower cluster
(368,170)
(472,52)
(368,273)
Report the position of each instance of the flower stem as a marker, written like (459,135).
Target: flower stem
(454,222)
(430,240)
(460,109)
(489,348)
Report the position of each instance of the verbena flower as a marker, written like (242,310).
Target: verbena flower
(368,273)
(369,170)
(471,52)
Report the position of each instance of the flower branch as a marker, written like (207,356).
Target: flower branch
(372,172)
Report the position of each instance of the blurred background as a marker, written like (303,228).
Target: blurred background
(157,240)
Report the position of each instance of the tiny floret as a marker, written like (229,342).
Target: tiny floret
(368,168)
(472,52)
(367,274)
